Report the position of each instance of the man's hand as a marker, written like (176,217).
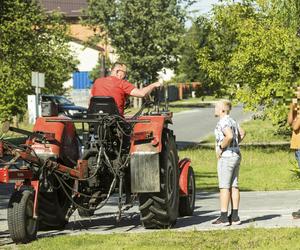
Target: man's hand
(159,83)
(146,90)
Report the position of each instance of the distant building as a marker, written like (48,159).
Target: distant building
(88,56)
(70,8)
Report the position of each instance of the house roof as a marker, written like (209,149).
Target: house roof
(70,8)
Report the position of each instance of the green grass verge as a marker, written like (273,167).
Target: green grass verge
(282,238)
(262,131)
(263,168)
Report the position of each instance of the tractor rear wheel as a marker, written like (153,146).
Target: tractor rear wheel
(21,223)
(52,209)
(187,203)
(160,210)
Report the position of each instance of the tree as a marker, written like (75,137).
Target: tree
(194,39)
(145,33)
(287,12)
(30,41)
(266,67)
(254,57)
(215,55)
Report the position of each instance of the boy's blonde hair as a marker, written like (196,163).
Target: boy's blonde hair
(225,104)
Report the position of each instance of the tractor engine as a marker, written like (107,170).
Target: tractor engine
(105,145)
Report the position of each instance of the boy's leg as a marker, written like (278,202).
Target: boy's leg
(235,197)
(224,177)
(235,192)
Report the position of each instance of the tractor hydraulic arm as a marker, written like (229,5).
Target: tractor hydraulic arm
(26,154)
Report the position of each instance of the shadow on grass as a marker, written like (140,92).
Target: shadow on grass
(182,145)
(206,175)
(271,146)
(265,147)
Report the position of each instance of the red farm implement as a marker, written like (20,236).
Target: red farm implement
(60,169)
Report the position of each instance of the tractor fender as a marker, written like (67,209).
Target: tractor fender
(146,146)
(184,166)
(147,135)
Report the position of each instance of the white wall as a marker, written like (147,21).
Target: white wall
(87,58)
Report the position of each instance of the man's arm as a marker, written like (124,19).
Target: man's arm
(144,91)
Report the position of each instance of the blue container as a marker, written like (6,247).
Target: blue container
(81,80)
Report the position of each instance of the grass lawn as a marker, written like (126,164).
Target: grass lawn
(263,167)
(196,100)
(258,131)
(282,238)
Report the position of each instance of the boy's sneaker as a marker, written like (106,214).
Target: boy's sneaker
(296,215)
(221,222)
(235,220)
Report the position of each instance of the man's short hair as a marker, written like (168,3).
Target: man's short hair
(117,64)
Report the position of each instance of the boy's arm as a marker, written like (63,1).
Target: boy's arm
(242,134)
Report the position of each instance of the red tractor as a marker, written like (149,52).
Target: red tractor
(60,169)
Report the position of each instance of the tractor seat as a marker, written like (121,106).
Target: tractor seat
(103,105)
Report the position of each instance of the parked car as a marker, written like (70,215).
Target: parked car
(64,105)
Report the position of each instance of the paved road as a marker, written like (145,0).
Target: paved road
(258,209)
(193,125)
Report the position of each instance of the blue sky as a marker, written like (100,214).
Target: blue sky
(204,6)
(201,7)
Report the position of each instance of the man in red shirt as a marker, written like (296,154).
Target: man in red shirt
(117,87)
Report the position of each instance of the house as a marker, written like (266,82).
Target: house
(88,57)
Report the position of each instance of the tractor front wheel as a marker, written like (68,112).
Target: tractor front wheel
(21,223)
(160,210)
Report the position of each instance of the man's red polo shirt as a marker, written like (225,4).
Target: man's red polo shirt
(114,87)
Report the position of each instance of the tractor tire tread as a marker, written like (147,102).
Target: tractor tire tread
(148,203)
(157,210)
(17,219)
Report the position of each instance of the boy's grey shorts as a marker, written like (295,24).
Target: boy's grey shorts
(228,169)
